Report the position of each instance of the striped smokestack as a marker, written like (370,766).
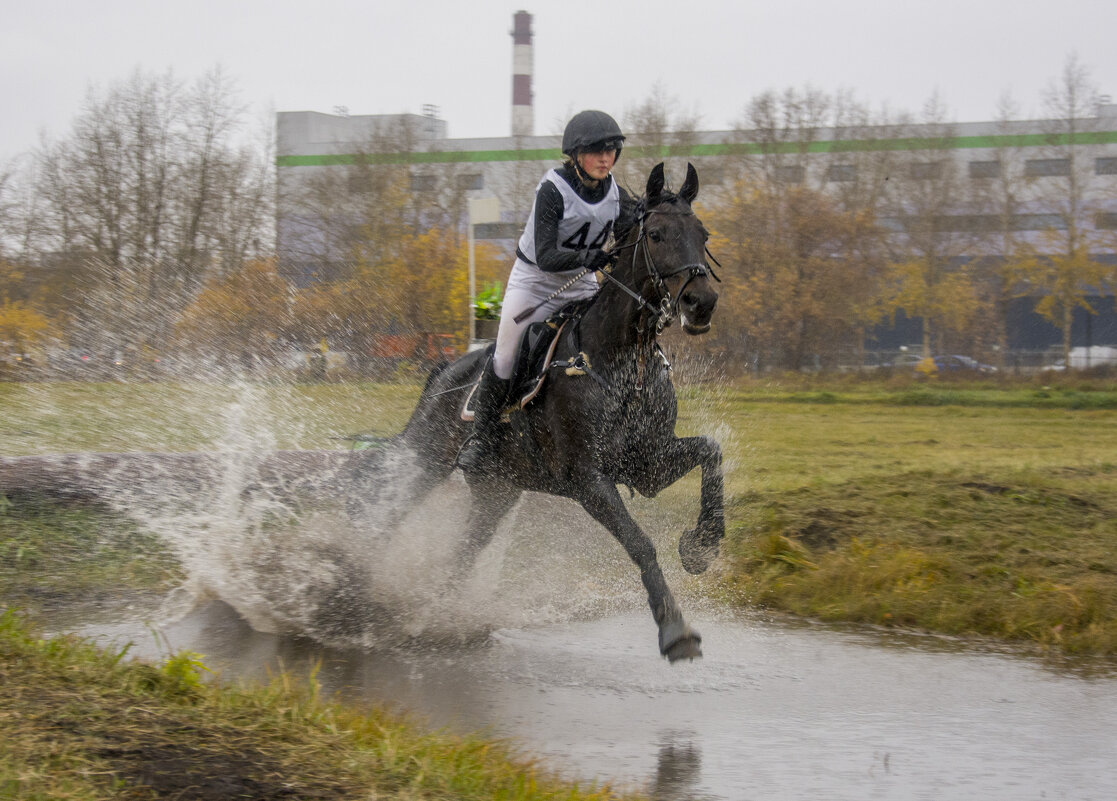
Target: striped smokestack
(523,116)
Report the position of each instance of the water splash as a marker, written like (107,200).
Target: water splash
(312,551)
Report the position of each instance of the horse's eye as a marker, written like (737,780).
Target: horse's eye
(655,236)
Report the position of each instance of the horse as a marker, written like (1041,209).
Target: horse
(608,418)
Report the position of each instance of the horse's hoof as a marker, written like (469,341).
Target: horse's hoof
(695,555)
(678,641)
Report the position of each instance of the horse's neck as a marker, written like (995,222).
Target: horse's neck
(616,324)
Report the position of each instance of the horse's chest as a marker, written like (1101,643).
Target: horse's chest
(642,423)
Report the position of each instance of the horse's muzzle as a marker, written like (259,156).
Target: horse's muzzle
(696,309)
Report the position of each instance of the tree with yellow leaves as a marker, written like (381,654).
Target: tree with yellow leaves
(422,287)
(799,275)
(1065,275)
(22,329)
(245,314)
(1063,282)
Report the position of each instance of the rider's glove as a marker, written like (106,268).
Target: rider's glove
(598,259)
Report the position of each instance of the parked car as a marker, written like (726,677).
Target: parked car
(957,364)
(908,361)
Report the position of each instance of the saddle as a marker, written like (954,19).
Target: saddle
(533,358)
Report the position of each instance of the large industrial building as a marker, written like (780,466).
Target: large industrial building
(1064,171)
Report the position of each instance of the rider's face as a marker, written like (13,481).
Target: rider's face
(597,164)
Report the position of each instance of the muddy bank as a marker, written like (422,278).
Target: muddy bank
(100,476)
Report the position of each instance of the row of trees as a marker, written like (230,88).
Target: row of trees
(149,227)
(819,248)
(111,231)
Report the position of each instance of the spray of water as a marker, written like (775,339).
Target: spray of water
(351,562)
(337,550)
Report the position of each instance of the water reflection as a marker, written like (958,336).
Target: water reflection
(770,712)
(678,768)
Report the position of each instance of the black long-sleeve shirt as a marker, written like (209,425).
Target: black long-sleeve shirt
(548,212)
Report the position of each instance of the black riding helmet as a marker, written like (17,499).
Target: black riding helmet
(591,131)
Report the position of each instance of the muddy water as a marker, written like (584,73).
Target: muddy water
(772,712)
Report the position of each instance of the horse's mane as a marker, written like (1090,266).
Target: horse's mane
(632,212)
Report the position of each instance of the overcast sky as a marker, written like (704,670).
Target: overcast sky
(377,57)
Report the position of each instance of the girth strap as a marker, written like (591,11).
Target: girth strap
(580,365)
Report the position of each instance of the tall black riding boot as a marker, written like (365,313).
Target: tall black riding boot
(477,453)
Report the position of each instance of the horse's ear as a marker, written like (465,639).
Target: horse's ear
(655,184)
(690,186)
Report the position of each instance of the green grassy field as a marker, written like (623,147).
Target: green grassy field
(964,510)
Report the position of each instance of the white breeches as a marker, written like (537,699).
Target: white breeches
(528,286)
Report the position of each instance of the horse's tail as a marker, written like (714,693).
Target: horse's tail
(361,442)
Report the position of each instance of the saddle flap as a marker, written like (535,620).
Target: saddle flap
(533,358)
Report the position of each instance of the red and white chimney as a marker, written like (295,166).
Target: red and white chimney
(523,115)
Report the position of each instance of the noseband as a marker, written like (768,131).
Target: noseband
(667,307)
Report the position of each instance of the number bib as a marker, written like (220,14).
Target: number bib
(584,226)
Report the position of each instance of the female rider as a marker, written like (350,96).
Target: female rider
(576,207)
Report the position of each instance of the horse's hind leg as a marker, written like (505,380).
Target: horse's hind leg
(677,640)
(491,500)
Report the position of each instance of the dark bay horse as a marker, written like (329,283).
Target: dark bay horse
(613,421)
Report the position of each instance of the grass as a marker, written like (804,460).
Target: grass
(78,722)
(1019,555)
(971,509)
(56,556)
(900,462)
(62,417)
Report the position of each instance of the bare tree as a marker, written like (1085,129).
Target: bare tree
(930,276)
(154,190)
(1065,274)
(998,200)
(802,258)
(657,129)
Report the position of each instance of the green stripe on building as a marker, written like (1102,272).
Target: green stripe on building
(723,149)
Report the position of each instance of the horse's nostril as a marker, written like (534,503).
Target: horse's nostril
(689,299)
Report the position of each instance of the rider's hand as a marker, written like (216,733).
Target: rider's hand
(598,259)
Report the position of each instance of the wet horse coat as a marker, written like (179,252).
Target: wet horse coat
(613,424)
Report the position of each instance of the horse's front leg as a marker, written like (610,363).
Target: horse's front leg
(677,640)
(699,546)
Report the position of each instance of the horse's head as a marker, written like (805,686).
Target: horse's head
(671,245)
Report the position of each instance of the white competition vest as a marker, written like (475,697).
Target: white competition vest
(584,226)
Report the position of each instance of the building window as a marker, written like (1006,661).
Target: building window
(473,181)
(1106,220)
(791,174)
(967,223)
(926,170)
(1041,168)
(985,169)
(842,172)
(1038,222)
(981,223)
(1105,166)
(423,183)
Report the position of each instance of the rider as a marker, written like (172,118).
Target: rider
(576,208)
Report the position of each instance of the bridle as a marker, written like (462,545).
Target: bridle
(667,307)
